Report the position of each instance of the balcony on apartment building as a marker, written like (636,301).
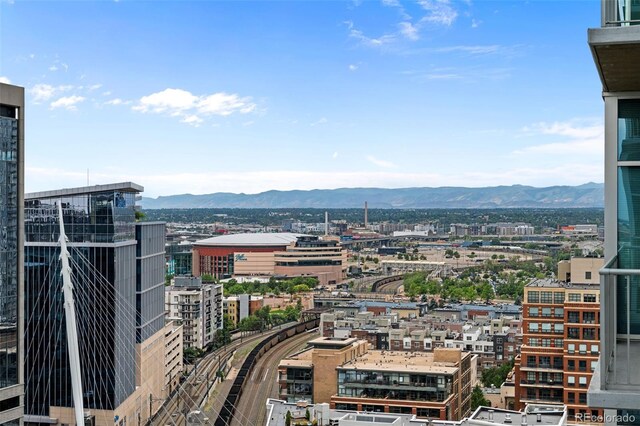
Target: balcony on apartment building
(616,380)
(616,45)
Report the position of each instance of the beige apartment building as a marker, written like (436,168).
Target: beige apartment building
(344,373)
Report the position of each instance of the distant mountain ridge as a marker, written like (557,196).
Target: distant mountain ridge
(514,196)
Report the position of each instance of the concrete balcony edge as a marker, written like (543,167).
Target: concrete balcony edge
(610,398)
(614,35)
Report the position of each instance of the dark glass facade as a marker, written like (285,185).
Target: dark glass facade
(100,227)
(9,245)
(150,274)
(629,211)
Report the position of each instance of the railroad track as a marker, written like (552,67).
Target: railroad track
(188,397)
(390,287)
(263,382)
(227,413)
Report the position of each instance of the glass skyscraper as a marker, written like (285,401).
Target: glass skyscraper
(101,229)
(615,386)
(11,240)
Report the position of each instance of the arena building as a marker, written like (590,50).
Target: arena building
(270,254)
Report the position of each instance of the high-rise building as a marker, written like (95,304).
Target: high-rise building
(561,333)
(118,276)
(198,307)
(616,48)
(11,256)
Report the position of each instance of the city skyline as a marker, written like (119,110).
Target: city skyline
(252,96)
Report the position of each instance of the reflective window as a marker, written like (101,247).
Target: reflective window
(8,251)
(103,217)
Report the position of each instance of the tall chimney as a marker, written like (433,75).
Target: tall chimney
(326,223)
(366,217)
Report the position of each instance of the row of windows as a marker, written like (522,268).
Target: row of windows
(557,297)
(583,297)
(546,327)
(546,343)
(582,381)
(582,349)
(546,312)
(588,333)
(582,365)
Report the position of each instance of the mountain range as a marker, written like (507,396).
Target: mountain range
(514,196)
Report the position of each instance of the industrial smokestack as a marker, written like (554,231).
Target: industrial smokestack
(326,223)
(366,215)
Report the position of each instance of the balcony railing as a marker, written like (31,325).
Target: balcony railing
(619,13)
(620,347)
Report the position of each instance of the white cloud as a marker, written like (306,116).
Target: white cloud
(225,104)
(577,137)
(5,80)
(184,104)
(380,163)
(335,155)
(436,12)
(409,31)
(475,23)
(323,120)
(53,68)
(353,67)
(44,92)
(94,87)
(193,120)
(117,101)
(439,12)
(67,102)
(472,50)
(370,41)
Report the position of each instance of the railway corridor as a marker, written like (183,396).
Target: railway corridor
(262,383)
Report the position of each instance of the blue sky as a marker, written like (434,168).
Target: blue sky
(238,96)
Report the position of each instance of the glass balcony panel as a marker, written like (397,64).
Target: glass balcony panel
(620,344)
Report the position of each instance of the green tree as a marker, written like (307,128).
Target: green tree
(307,414)
(191,354)
(287,418)
(478,399)
(167,279)
(140,216)
(496,375)
(207,278)
(236,289)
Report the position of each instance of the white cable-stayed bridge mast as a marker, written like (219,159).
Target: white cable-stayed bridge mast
(70,322)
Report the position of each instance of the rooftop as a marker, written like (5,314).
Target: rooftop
(543,415)
(251,239)
(421,362)
(333,341)
(552,283)
(66,192)
(301,359)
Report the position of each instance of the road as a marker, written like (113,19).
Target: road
(262,382)
(192,390)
